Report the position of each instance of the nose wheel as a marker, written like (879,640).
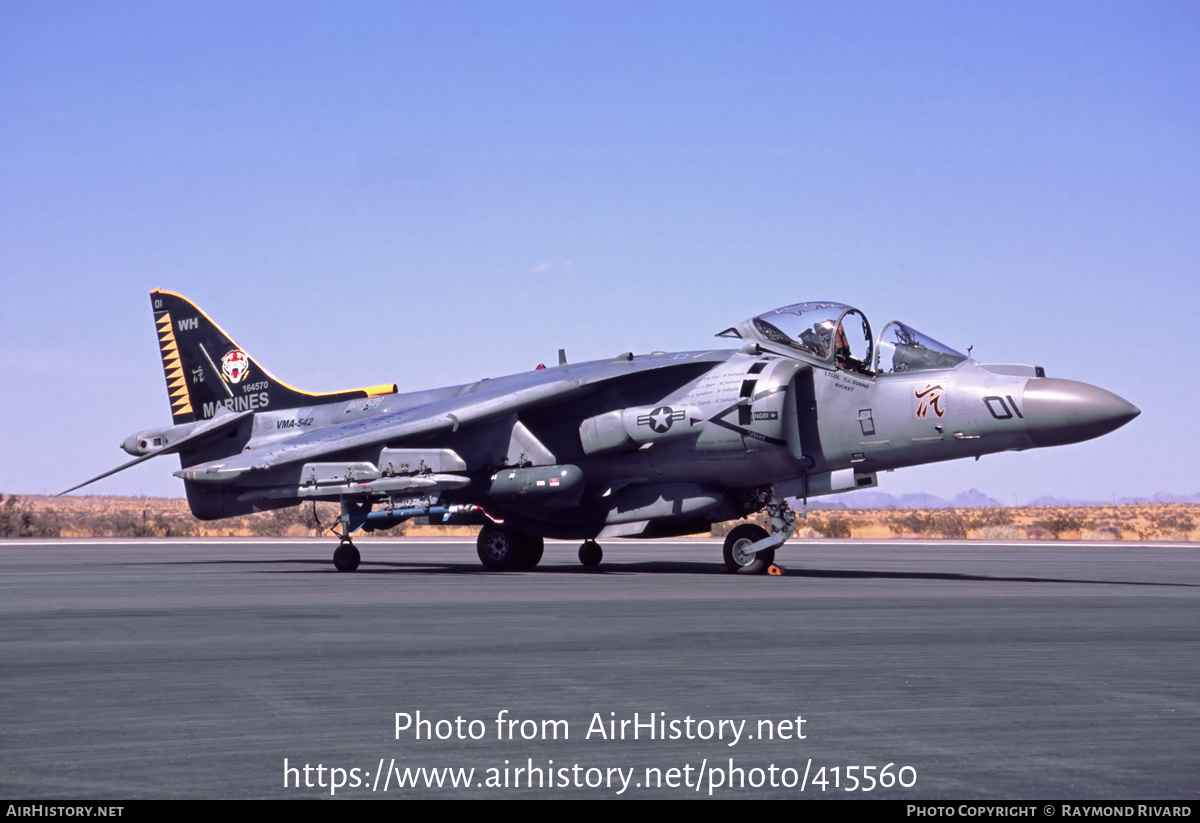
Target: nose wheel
(750,549)
(738,560)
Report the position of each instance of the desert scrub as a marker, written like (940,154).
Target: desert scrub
(988,518)
(129,524)
(17,520)
(830,526)
(1060,523)
(1171,523)
(934,524)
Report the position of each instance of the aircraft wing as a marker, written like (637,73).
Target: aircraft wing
(438,415)
(448,413)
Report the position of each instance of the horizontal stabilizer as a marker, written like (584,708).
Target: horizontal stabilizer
(207,429)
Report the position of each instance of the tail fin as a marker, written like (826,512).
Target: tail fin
(207,371)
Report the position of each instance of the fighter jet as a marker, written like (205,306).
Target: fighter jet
(809,403)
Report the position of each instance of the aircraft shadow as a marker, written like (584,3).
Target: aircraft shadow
(604,569)
(848,574)
(369,567)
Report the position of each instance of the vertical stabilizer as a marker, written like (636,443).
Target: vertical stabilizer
(206,370)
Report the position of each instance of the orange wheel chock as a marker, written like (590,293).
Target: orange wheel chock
(775,570)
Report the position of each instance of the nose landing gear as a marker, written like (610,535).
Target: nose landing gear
(738,560)
(750,549)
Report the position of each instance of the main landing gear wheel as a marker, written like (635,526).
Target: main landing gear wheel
(590,554)
(531,550)
(739,561)
(497,548)
(504,550)
(346,557)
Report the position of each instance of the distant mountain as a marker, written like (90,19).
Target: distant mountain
(1162,497)
(860,500)
(881,500)
(974,499)
(1047,500)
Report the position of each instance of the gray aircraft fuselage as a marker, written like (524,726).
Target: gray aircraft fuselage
(633,446)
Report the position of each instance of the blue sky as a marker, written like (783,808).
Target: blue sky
(430,193)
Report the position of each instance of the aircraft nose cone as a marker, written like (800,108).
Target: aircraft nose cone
(1064,411)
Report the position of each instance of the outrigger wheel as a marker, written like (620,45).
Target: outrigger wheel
(590,554)
(737,560)
(354,514)
(346,557)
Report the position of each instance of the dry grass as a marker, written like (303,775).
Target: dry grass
(1148,521)
(96,516)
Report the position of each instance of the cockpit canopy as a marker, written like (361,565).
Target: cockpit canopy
(821,332)
(834,335)
(903,348)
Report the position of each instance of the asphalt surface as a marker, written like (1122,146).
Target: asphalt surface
(198,669)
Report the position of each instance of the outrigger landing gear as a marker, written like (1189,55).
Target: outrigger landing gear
(346,557)
(502,549)
(590,554)
(354,513)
